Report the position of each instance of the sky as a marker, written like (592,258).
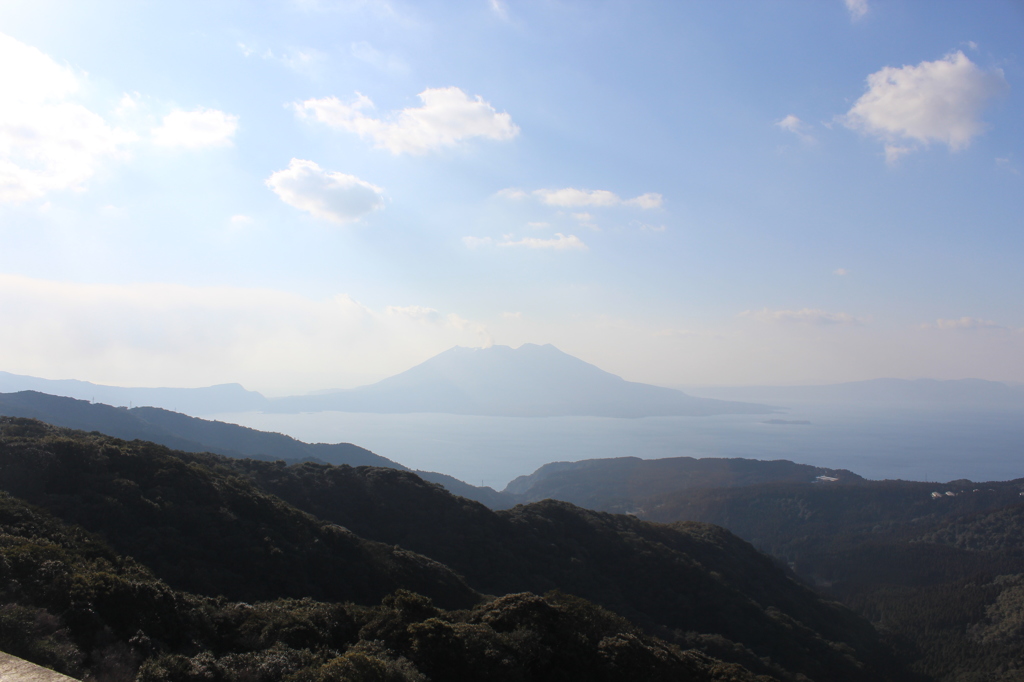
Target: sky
(300,195)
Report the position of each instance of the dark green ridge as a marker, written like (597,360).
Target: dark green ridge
(694,584)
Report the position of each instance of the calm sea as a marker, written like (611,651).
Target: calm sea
(923,445)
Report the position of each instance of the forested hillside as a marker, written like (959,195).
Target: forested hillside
(199,520)
(624,484)
(941,574)
(72,604)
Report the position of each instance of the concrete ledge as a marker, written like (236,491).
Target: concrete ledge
(14,669)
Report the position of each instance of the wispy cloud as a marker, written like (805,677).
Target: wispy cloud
(966,323)
(500,9)
(1007,165)
(304,60)
(477,242)
(938,101)
(858,9)
(332,196)
(842,272)
(307,61)
(560,242)
(644,227)
(571,197)
(448,117)
(513,193)
(416,312)
(367,53)
(675,333)
(794,125)
(239,222)
(585,220)
(802,316)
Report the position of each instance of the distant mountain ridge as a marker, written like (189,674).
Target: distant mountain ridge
(532,381)
(529,381)
(204,400)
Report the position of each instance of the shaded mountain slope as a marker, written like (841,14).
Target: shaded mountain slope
(696,584)
(620,484)
(192,434)
(200,527)
(686,578)
(778,516)
(530,381)
(179,431)
(944,576)
(70,603)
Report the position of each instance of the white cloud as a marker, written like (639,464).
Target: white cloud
(512,316)
(326,195)
(559,243)
(967,323)
(476,242)
(802,316)
(842,272)
(857,8)
(938,101)
(160,334)
(448,116)
(196,129)
(570,197)
(47,141)
(794,125)
(538,225)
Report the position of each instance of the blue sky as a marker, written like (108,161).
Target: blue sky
(299,195)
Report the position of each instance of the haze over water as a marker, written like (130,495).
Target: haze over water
(910,444)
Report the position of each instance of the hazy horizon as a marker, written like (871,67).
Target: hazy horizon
(696,388)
